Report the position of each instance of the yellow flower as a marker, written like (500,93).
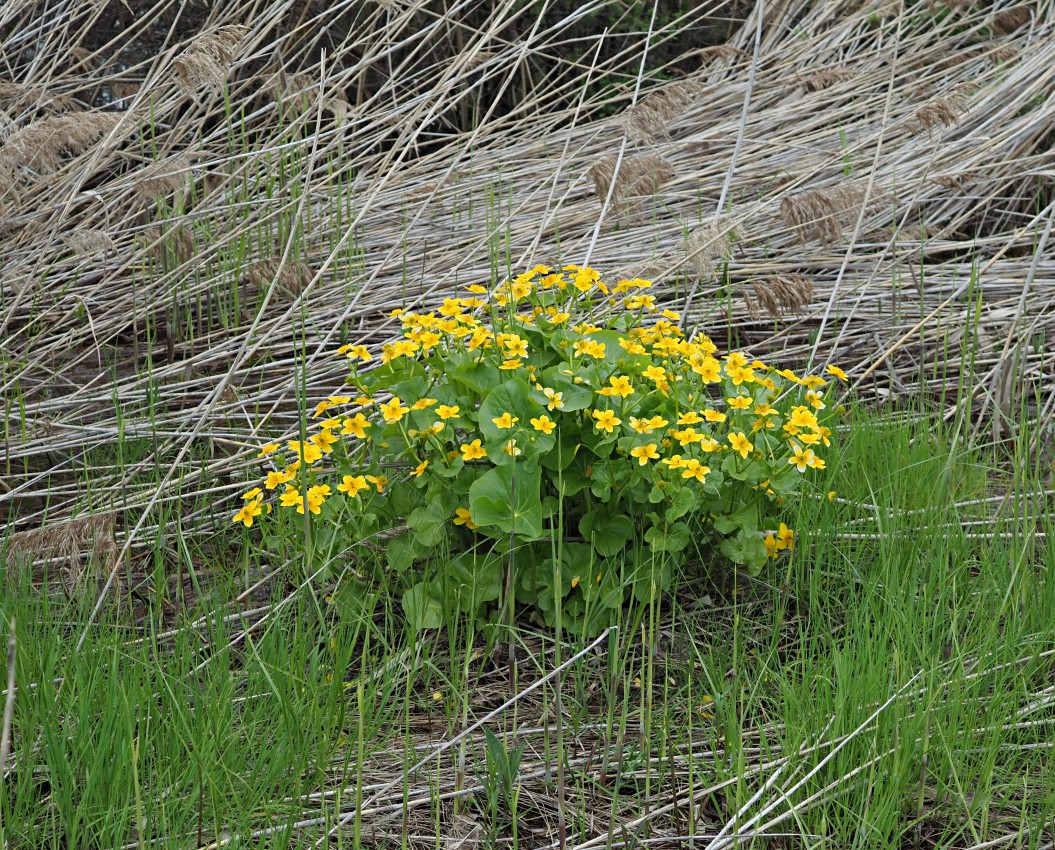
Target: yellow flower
(831,495)
(420,468)
(476,289)
(393,410)
(785,538)
(658,422)
(544,424)
(356,426)
(589,347)
(510,364)
(689,418)
(249,510)
(713,415)
(708,369)
(606,420)
(619,386)
(506,420)
(463,517)
(671,314)
(252,494)
(740,443)
(674,462)
(708,444)
(739,402)
(740,375)
(837,372)
(379,481)
(815,400)
(686,436)
(473,450)
(771,545)
(645,453)
(510,448)
(642,426)
(330,423)
(276,478)
(270,448)
(352,484)
(695,469)
(316,498)
(803,417)
(656,374)
(325,440)
(308,452)
(555,400)
(638,302)
(358,352)
(631,347)
(447,411)
(423,403)
(515,346)
(802,458)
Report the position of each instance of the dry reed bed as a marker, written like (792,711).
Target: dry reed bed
(880,158)
(933,129)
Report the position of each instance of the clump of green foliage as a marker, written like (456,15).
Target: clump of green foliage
(507,448)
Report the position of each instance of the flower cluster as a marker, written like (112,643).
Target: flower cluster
(518,382)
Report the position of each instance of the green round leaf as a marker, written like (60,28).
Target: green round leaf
(508,498)
(608,532)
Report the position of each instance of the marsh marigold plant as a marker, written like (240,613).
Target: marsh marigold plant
(564,422)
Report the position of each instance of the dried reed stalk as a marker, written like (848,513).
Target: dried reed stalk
(207,62)
(91,535)
(822,79)
(168,175)
(821,213)
(286,285)
(173,248)
(85,240)
(649,120)
(1009,20)
(778,293)
(639,176)
(718,52)
(301,95)
(708,245)
(43,144)
(944,111)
